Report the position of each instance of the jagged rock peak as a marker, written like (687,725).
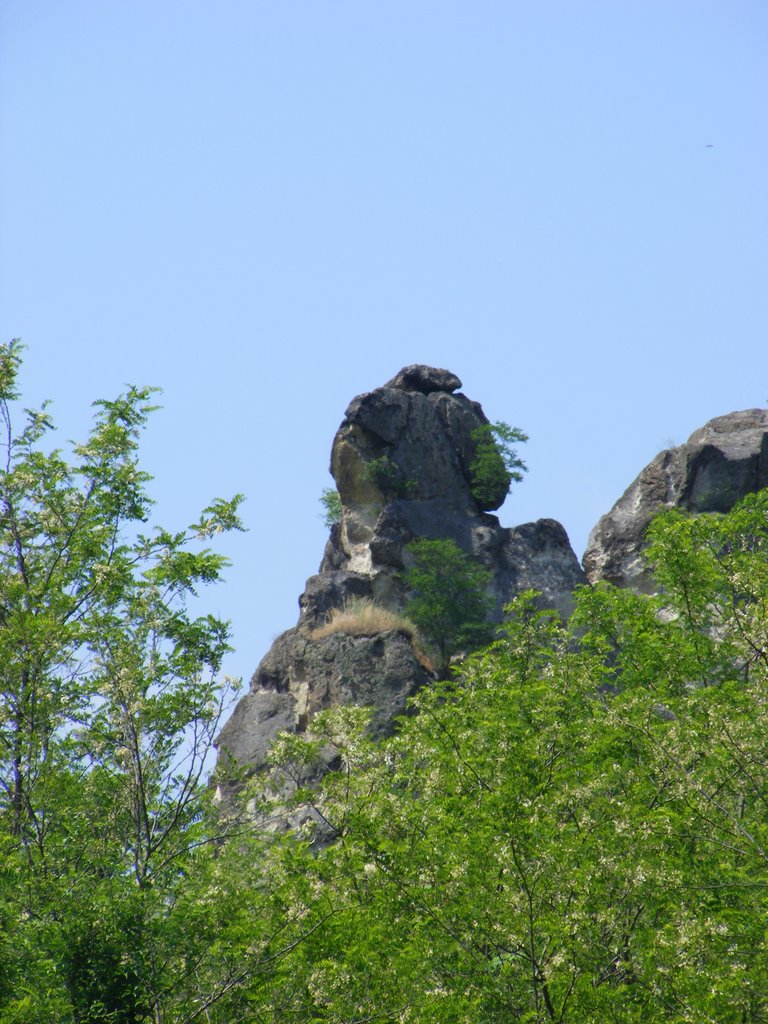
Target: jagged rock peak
(425,379)
(403,461)
(718,465)
(413,439)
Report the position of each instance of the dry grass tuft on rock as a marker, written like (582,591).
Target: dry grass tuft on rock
(361,616)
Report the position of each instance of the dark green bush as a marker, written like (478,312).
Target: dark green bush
(496,462)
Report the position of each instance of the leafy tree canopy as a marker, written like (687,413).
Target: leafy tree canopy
(574,827)
(449,601)
(110,699)
(496,462)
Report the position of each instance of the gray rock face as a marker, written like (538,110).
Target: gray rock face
(258,718)
(407,444)
(402,461)
(720,463)
(300,677)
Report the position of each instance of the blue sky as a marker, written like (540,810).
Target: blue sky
(266,209)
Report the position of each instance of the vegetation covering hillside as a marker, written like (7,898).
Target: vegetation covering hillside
(572,828)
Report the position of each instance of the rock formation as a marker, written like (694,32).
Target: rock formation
(403,462)
(720,463)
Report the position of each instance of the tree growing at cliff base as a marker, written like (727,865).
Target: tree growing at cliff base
(448,600)
(574,828)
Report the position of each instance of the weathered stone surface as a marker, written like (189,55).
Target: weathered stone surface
(300,676)
(256,721)
(535,556)
(728,458)
(461,418)
(720,463)
(379,672)
(402,461)
(395,444)
(418,444)
(538,556)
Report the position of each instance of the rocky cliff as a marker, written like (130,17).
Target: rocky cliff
(720,463)
(403,463)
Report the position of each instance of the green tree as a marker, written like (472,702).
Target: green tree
(495,463)
(574,827)
(331,502)
(111,698)
(448,599)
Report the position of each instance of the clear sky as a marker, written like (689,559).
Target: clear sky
(268,208)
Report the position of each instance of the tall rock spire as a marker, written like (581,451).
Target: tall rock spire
(403,461)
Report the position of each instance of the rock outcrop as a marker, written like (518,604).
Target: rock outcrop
(403,461)
(720,463)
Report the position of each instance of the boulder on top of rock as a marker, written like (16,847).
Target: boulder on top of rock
(425,379)
(720,463)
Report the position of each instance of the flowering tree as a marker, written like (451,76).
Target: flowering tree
(110,701)
(572,828)
(575,827)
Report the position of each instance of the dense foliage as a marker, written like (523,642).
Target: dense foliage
(495,463)
(110,701)
(565,831)
(448,599)
(572,828)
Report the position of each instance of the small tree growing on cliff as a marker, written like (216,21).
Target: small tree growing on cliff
(331,502)
(448,603)
(496,463)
